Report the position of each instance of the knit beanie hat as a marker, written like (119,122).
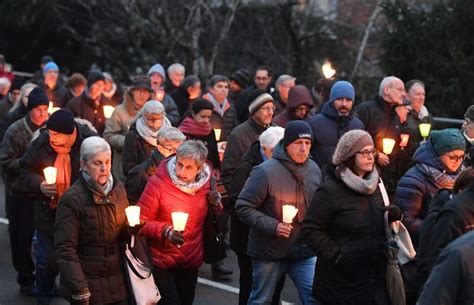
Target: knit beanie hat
(93,77)
(257,98)
(157,68)
(61,121)
(295,130)
(447,140)
(241,77)
(469,115)
(349,144)
(50,66)
(37,97)
(342,89)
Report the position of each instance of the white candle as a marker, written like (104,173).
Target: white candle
(108,110)
(133,215)
(289,212)
(50,174)
(388,145)
(217,131)
(179,220)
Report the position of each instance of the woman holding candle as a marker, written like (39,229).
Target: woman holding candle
(344,226)
(57,145)
(197,126)
(141,138)
(90,224)
(181,184)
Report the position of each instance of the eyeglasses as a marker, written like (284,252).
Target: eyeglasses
(456,158)
(268,109)
(153,120)
(365,153)
(171,150)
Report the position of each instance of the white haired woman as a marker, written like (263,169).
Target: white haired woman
(168,139)
(259,152)
(141,138)
(181,183)
(90,221)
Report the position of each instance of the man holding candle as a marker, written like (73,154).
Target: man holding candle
(289,178)
(385,117)
(182,183)
(57,145)
(18,200)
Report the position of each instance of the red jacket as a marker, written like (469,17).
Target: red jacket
(159,199)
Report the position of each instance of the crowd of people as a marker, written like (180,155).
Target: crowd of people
(297,176)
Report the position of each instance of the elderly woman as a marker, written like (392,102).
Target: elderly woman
(169,139)
(117,126)
(89,223)
(259,152)
(197,126)
(141,138)
(344,226)
(181,184)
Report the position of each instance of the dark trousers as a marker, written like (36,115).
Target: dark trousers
(177,287)
(21,214)
(245,281)
(46,268)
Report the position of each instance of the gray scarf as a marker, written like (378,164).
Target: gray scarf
(146,133)
(192,187)
(366,185)
(101,189)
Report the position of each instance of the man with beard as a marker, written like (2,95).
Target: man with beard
(335,119)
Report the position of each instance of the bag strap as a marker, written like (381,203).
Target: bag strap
(383,191)
(132,267)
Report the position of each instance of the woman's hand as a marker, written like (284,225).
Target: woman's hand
(49,190)
(175,237)
(394,213)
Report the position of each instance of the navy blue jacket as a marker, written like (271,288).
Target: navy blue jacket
(328,127)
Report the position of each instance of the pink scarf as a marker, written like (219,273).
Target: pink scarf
(189,126)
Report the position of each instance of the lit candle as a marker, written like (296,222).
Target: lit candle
(108,110)
(328,71)
(388,145)
(217,131)
(425,129)
(179,220)
(159,95)
(50,174)
(289,212)
(133,215)
(52,109)
(404,140)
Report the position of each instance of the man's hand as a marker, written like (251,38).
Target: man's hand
(383,159)
(283,230)
(402,112)
(49,190)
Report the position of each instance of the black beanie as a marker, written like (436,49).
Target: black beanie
(93,77)
(61,121)
(297,130)
(17,83)
(37,97)
(241,77)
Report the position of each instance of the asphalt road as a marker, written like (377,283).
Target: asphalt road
(208,291)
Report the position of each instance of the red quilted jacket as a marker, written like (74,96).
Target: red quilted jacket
(159,199)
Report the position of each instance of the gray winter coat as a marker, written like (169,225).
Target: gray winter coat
(271,185)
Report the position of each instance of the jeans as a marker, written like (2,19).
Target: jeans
(177,286)
(46,268)
(267,273)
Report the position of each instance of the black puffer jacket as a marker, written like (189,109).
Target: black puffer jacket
(135,150)
(39,155)
(239,232)
(85,108)
(88,232)
(345,229)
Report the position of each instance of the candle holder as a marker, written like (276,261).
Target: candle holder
(133,217)
(425,129)
(289,212)
(388,145)
(217,131)
(404,137)
(179,220)
(108,110)
(50,174)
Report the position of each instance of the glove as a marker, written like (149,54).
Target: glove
(82,297)
(214,198)
(136,229)
(175,237)
(394,213)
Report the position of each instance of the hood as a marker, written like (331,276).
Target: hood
(425,154)
(299,95)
